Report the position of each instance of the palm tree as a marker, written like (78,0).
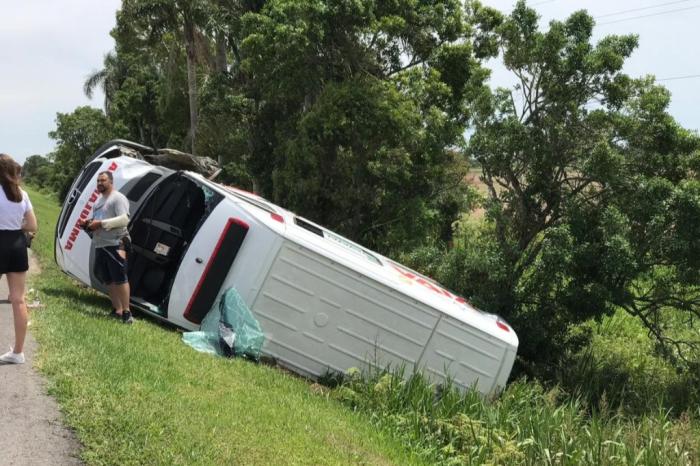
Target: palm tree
(184,18)
(108,78)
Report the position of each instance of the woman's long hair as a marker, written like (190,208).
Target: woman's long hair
(9,178)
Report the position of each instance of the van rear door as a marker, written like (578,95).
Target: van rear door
(205,266)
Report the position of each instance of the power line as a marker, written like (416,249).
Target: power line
(623,11)
(643,8)
(690,76)
(649,16)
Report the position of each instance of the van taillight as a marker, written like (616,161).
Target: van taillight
(277,217)
(502,325)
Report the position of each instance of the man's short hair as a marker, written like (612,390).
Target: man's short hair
(108,174)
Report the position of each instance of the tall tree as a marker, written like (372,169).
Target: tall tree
(225,109)
(109,79)
(182,18)
(37,170)
(359,108)
(593,192)
(78,134)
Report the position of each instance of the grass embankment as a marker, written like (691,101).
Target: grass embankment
(137,395)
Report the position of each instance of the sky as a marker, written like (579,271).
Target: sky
(669,38)
(49,47)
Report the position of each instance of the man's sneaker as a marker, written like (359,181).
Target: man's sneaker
(114,314)
(12,358)
(127,318)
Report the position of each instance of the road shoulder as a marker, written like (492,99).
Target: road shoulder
(32,430)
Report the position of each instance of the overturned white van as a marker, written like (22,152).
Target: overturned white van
(324,302)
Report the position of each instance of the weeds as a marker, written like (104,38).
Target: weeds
(527,424)
(620,371)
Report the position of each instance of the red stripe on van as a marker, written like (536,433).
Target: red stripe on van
(217,248)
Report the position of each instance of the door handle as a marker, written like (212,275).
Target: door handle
(199,260)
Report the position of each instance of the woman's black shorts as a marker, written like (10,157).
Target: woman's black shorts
(13,251)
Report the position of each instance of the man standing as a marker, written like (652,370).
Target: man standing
(111,239)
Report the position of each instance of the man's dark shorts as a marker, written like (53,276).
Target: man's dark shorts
(110,267)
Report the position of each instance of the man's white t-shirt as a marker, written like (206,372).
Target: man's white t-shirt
(12,213)
(114,205)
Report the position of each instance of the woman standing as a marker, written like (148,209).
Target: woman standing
(16,221)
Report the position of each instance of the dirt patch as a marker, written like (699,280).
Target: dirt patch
(473,179)
(34,267)
(359,455)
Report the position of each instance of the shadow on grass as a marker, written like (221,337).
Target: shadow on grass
(90,303)
(79,300)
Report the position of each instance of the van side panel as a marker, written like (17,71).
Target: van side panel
(467,354)
(318,315)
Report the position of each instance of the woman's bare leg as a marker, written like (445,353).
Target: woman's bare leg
(16,282)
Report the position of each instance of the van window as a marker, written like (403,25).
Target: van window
(308,226)
(337,239)
(349,245)
(142,185)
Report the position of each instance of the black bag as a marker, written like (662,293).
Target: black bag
(125,244)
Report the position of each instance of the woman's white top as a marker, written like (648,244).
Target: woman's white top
(12,213)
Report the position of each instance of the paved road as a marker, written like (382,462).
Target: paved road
(31,431)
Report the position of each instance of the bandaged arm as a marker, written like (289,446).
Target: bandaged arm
(115,222)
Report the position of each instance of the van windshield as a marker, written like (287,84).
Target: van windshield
(73,196)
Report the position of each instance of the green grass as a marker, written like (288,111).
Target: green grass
(138,395)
